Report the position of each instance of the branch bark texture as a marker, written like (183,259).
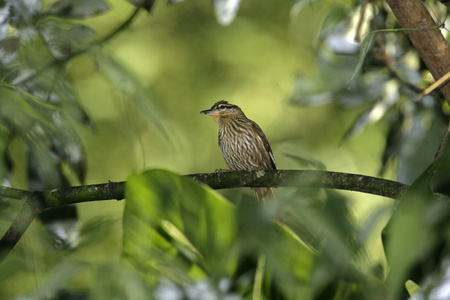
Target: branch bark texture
(35,202)
(305,179)
(429,43)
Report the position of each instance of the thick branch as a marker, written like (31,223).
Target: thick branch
(430,44)
(227,179)
(305,179)
(35,202)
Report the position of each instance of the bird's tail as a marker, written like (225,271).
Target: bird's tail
(263,194)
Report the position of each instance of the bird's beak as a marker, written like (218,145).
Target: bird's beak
(208,112)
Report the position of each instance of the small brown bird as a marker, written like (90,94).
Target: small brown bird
(242,142)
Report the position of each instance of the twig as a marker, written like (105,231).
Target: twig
(361,20)
(31,207)
(108,37)
(432,87)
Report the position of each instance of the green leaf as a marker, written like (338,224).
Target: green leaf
(176,228)
(53,86)
(365,47)
(33,120)
(78,9)
(422,185)
(417,229)
(408,241)
(63,37)
(18,113)
(62,139)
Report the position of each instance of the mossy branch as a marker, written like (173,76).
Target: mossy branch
(223,180)
(305,179)
(35,202)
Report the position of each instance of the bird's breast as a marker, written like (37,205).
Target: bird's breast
(242,149)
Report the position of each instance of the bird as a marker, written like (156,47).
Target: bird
(242,143)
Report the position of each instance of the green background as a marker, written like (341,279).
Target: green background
(188,62)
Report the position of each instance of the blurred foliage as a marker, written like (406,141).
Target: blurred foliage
(193,235)
(383,76)
(68,71)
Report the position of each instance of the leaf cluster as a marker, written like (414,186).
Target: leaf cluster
(381,78)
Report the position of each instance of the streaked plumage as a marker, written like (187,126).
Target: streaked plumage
(242,142)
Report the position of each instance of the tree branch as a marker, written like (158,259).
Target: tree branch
(305,179)
(430,44)
(36,201)
(224,180)
(31,207)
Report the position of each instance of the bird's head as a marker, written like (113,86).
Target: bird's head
(224,112)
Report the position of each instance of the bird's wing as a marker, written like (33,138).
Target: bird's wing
(265,142)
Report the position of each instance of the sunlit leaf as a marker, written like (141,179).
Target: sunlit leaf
(78,9)
(175,226)
(226,10)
